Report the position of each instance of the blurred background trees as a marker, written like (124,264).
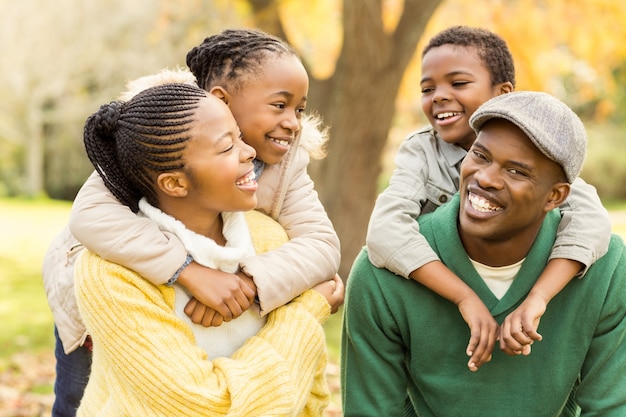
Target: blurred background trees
(61,60)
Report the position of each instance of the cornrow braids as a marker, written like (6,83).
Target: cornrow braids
(130,143)
(232,55)
(491,48)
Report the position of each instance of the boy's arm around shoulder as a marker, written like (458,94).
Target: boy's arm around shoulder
(585,228)
(110,229)
(393,237)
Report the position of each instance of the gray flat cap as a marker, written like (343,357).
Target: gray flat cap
(549,123)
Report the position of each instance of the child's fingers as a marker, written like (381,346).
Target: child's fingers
(520,335)
(236,306)
(195,310)
(209,316)
(508,343)
(532,335)
(481,347)
(516,340)
(472,345)
(338,294)
(197,314)
(530,330)
(191,305)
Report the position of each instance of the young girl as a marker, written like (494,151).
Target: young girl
(265,85)
(461,69)
(174,153)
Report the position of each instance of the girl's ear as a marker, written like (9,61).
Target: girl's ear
(221,93)
(557,196)
(173,184)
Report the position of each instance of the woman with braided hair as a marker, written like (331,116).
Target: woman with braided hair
(174,154)
(265,85)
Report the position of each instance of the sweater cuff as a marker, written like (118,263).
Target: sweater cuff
(315,303)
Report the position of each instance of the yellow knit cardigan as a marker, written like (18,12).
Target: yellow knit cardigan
(146,362)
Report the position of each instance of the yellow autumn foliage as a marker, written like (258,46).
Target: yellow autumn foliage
(566,47)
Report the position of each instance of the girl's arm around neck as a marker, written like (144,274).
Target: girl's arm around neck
(110,229)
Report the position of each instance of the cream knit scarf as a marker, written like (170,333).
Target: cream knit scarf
(224,340)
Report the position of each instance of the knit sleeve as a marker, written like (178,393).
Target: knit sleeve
(601,390)
(152,365)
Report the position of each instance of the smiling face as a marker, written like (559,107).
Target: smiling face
(217,162)
(507,187)
(455,82)
(218,175)
(269,106)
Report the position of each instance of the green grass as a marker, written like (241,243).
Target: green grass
(27,227)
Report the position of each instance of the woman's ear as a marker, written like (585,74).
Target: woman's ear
(173,184)
(221,93)
(557,196)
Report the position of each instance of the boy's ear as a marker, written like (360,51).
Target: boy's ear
(506,87)
(173,184)
(221,93)
(557,196)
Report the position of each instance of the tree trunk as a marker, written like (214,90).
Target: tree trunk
(358,103)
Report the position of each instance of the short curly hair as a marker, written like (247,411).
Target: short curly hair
(491,48)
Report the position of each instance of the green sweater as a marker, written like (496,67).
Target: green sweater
(399,338)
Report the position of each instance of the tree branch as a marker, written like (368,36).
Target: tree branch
(411,25)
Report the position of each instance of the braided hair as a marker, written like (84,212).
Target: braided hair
(130,143)
(491,48)
(230,56)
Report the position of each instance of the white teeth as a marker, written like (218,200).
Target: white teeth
(248,178)
(281,142)
(441,116)
(480,204)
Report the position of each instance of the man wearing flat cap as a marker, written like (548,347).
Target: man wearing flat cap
(401,341)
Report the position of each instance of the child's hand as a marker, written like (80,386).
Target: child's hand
(203,315)
(334,291)
(519,330)
(224,296)
(483,331)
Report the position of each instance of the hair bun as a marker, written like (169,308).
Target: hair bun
(107,118)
